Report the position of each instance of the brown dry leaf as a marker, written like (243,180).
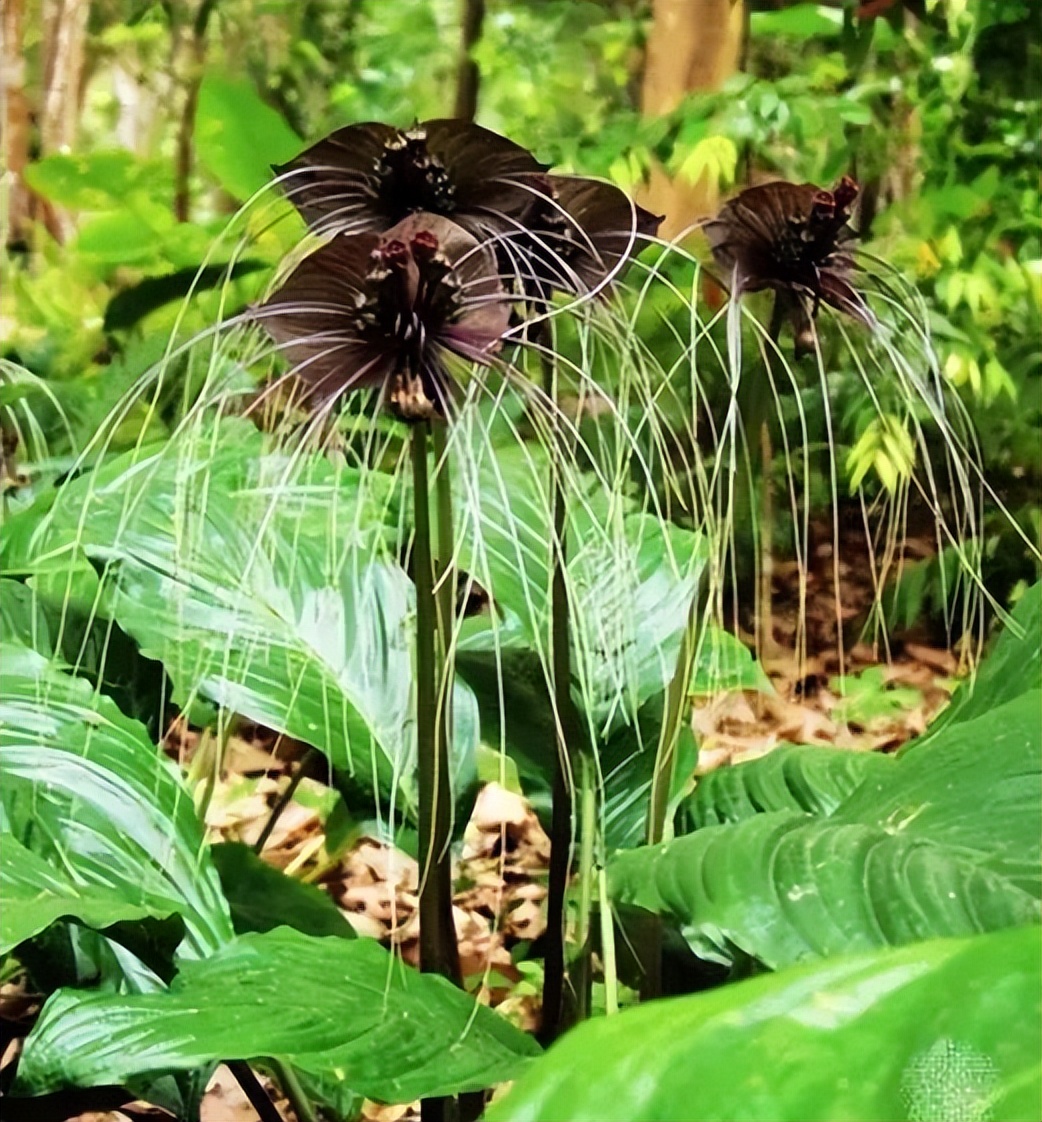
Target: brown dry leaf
(224,1100)
(382,1112)
(233,810)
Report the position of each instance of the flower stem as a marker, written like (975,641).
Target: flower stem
(672,724)
(439,953)
(259,1099)
(583,979)
(291,1088)
(444,577)
(309,759)
(558,1008)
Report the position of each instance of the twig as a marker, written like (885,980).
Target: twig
(285,798)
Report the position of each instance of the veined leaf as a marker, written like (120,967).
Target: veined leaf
(1011,669)
(976,790)
(262,898)
(630,578)
(259,582)
(783,888)
(85,789)
(813,780)
(939,1030)
(33,895)
(332,1006)
(915,851)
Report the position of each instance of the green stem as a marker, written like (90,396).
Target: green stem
(444,582)
(611,983)
(583,982)
(672,725)
(293,1091)
(209,757)
(439,953)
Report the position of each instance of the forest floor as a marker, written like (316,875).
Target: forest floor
(867,699)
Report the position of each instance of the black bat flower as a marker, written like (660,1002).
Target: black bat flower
(795,239)
(575,235)
(554,232)
(385,311)
(370,176)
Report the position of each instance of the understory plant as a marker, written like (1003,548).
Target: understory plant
(436,507)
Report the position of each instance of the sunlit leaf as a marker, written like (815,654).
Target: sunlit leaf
(331,1006)
(939,1030)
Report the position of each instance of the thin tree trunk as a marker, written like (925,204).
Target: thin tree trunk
(16,202)
(65,37)
(65,31)
(468,76)
(693,45)
(184,159)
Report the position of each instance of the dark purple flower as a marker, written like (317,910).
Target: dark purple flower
(795,239)
(552,232)
(386,311)
(371,176)
(575,235)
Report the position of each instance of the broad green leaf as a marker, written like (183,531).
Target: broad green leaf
(937,1031)
(792,777)
(1012,668)
(630,578)
(22,619)
(85,789)
(33,894)
(723,662)
(783,888)
(800,21)
(259,582)
(97,180)
(976,789)
(333,1006)
(941,841)
(238,136)
(262,898)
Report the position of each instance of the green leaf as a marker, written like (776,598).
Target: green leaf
(942,841)
(238,136)
(723,662)
(814,780)
(1012,668)
(977,790)
(33,895)
(783,888)
(630,580)
(22,619)
(800,21)
(262,898)
(86,790)
(259,580)
(337,1006)
(96,180)
(940,1030)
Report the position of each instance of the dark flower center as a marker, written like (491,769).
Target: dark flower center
(411,293)
(809,240)
(411,178)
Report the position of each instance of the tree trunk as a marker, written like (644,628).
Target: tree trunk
(185,158)
(693,45)
(65,39)
(14,142)
(468,77)
(65,36)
